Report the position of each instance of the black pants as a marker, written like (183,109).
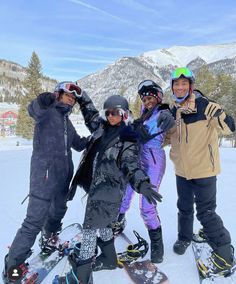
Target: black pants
(202,191)
(41,212)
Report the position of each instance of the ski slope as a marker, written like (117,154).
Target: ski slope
(14,185)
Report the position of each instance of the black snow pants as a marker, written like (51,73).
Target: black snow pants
(45,210)
(202,191)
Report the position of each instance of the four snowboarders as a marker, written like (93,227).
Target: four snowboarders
(119,152)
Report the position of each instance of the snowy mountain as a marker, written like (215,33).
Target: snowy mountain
(14,167)
(124,75)
(12,76)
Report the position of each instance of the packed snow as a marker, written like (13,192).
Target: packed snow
(15,167)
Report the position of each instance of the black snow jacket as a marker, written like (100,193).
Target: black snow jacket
(105,175)
(51,161)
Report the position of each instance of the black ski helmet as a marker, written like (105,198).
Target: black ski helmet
(116,101)
(150,88)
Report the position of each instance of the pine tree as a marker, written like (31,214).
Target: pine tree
(136,107)
(206,82)
(32,87)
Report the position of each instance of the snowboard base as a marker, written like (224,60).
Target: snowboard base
(145,272)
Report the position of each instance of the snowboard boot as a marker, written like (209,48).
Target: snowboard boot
(81,272)
(108,258)
(14,273)
(180,246)
(157,246)
(48,242)
(119,226)
(219,263)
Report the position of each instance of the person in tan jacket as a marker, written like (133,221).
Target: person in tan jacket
(195,154)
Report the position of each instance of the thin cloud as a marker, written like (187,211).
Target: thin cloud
(86,60)
(100,11)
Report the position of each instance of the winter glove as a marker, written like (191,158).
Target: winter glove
(165,120)
(213,110)
(146,189)
(46,99)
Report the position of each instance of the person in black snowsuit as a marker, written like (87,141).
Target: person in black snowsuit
(110,161)
(50,173)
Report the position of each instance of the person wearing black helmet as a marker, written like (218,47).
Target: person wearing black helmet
(50,174)
(110,161)
(153,161)
(195,154)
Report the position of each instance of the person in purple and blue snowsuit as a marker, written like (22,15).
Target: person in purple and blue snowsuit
(153,161)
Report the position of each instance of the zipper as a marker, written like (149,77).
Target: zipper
(186,137)
(65,133)
(153,157)
(211,157)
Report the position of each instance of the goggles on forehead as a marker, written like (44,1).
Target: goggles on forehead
(69,87)
(182,72)
(150,88)
(148,84)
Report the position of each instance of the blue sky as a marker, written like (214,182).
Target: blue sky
(75,38)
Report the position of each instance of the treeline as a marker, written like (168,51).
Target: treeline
(220,88)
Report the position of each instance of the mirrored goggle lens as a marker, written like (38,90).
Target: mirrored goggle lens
(146,83)
(182,72)
(70,88)
(113,112)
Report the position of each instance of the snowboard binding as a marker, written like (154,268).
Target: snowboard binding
(133,251)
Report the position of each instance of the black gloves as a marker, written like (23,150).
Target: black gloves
(213,110)
(46,99)
(165,120)
(146,189)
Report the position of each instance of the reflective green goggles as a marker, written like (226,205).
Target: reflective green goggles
(182,72)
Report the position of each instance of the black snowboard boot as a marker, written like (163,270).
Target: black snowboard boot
(180,246)
(157,246)
(221,260)
(48,243)
(81,272)
(108,258)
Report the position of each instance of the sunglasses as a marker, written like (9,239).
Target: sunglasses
(182,71)
(70,88)
(113,112)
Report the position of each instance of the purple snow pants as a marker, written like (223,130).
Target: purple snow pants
(153,163)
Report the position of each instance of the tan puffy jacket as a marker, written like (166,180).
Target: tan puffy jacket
(196,153)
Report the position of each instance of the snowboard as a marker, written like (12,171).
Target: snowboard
(202,251)
(140,272)
(41,265)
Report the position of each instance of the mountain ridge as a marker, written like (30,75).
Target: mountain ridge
(123,75)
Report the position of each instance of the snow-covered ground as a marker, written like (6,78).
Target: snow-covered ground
(14,169)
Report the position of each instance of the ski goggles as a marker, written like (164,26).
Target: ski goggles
(148,84)
(150,88)
(114,112)
(69,87)
(182,72)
